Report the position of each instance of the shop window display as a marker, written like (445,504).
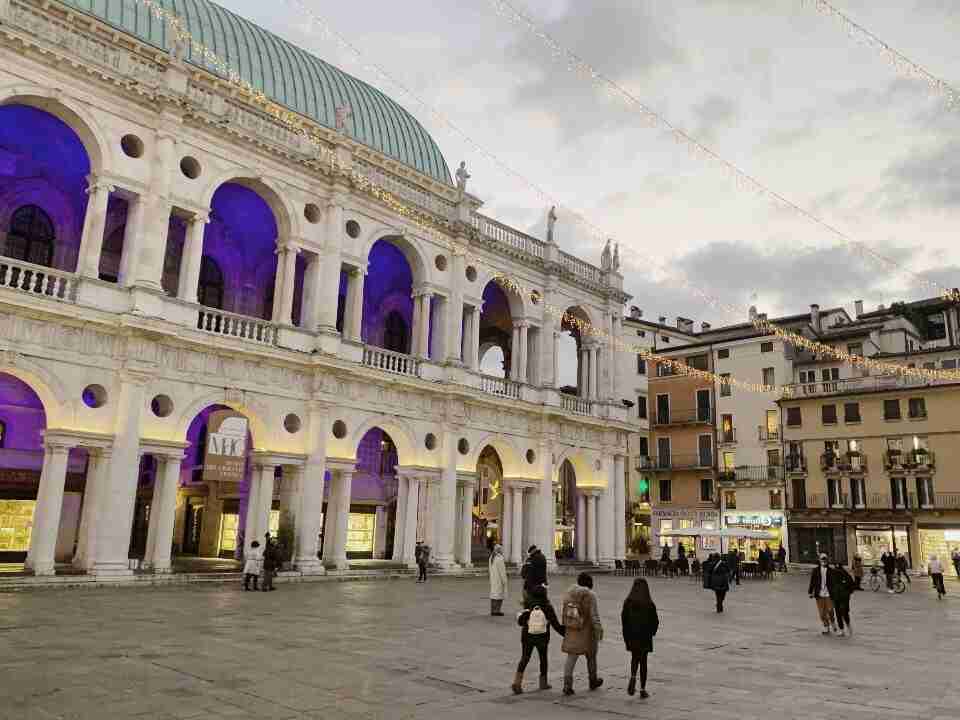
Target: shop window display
(872,543)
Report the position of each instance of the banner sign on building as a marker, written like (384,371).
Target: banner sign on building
(226,454)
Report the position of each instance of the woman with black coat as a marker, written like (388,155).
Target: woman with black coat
(534,636)
(640,623)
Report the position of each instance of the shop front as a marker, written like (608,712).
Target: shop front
(808,539)
(873,540)
(769,521)
(665,521)
(940,540)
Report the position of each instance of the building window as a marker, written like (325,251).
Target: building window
(706,490)
(917,407)
(730,499)
(855,349)
(769,378)
(395,333)
(641,333)
(665,338)
(699,362)
(828,414)
(949,364)
(830,374)
(776,500)
(925,494)
(210,289)
(666,490)
(641,366)
(723,353)
(643,447)
(891,409)
(794,417)
(31,236)
(851,412)
(642,407)
(725,389)
(766,347)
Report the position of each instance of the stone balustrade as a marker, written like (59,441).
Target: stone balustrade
(500,386)
(37,280)
(576,405)
(391,362)
(254,330)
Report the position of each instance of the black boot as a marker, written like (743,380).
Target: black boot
(568,686)
(595,683)
(632,685)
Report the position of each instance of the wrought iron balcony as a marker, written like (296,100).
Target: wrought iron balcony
(677,462)
(872,383)
(911,460)
(752,473)
(684,417)
(795,463)
(727,437)
(768,434)
(843,462)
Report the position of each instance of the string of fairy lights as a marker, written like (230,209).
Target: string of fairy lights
(426,222)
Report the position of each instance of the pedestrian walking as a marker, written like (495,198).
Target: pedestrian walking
(955,556)
(534,571)
(840,592)
(582,631)
(857,572)
(719,580)
(733,565)
(902,566)
(422,556)
(498,581)
(271,560)
(251,565)
(782,558)
(935,571)
(889,563)
(640,623)
(819,589)
(536,619)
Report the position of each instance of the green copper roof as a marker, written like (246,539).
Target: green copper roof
(285,73)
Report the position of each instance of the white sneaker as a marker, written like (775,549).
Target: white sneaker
(890,592)
(849,631)
(843,633)
(834,628)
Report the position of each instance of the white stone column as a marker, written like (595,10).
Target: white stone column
(117,500)
(592,534)
(512,372)
(620,509)
(310,512)
(410,520)
(606,524)
(614,357)
(94,224)
(343,478)
(421,324)
(312,294)
(134,239)
(380,533)
(330,519)
(400,518)
(437,346)
(554,351)
(445,511)
(49,506)
(465,546)
(192,258)
(533,348)
(329,292)
(475,338)
(163,510)
(290,494)
(506,524)
(353,321)
(453,310)
(583,381)
(516,546)
(545,505)
(580,531)
(522,348)
(284,283)
(259,507)
(595,373)
(98,467)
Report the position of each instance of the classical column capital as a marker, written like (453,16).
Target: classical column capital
(97,184)
(287,245)
(200,217)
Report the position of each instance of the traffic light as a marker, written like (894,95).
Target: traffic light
(643,486)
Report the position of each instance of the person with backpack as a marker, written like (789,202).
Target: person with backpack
(498,581)
(583,631)
(719,580)
(251,565)
(640,623)
(536,619)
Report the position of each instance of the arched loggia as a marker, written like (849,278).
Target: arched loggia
(388,303)
(577,358)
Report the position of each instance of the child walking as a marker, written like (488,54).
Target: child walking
(536,619)
(251,566)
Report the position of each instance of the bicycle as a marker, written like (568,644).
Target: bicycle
(876,582)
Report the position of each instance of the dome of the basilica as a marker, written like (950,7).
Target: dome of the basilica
(285,73)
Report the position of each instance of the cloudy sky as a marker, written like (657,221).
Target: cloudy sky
(771,85)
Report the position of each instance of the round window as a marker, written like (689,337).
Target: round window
(353,229)
(94,396)
(339,429)
(190,167)
(430,441)
(471,273)
(132,146)
(291,423)
(161,406)
(463,446)
(531,456)
(312,213)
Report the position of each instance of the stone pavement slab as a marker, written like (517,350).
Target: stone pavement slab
(399,650)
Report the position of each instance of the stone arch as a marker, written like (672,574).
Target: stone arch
(517,298)
(49,390)
(403,436)
(54,202)
(258,428)
(283,213)
(77,117)
(583,467)
(510,455)
(408,244)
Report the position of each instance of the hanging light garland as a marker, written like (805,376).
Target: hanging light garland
(298,125)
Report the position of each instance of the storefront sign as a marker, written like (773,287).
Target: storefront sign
(226,453)
(760,522)
(701,515)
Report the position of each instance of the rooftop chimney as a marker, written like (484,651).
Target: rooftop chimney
(858,307)
(635,312)
(662,320)
(684,324)
(705,326)
(815,317)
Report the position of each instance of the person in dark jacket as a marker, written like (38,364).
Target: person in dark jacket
(534,571)
(536,600)
(271,561)
(889,563)
(720,580)
(900,560)
(640,622)
(733,565)
(840,591)
(422,556)
(823,580)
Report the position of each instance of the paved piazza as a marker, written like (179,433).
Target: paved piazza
(395,649)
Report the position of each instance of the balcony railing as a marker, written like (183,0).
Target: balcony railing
(500,386)
(752,473)
(507,235)
(845,462)
(911,460)
(946,501)
(727,437)
(872,383)
(768,434)
(576,405)
(241,327)
(677,462)
(390,361)
(684,417)
(877,501)
(795,463)
(37,280)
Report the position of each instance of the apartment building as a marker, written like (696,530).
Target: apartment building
(871,458)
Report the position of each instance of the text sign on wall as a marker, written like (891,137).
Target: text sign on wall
(226,454)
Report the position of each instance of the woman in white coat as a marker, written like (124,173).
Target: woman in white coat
(498,581)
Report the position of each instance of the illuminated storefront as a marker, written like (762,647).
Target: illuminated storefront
(941,541)
(874,540)
(770,521)
(361,528)
(682,519)
(16,521)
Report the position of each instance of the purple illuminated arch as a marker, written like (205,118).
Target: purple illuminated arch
(387,292)
(22,414)
(496,323)
(44,163)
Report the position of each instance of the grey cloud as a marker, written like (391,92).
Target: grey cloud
(929,176)
(713,114)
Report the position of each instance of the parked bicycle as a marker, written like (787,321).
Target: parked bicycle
(876,581)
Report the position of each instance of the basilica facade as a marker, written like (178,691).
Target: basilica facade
(208,332)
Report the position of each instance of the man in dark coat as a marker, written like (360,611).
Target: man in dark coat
(782,558)
(271,561)
(889,563)
(534,571)
(900,560)
(720,581)
(822,578)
